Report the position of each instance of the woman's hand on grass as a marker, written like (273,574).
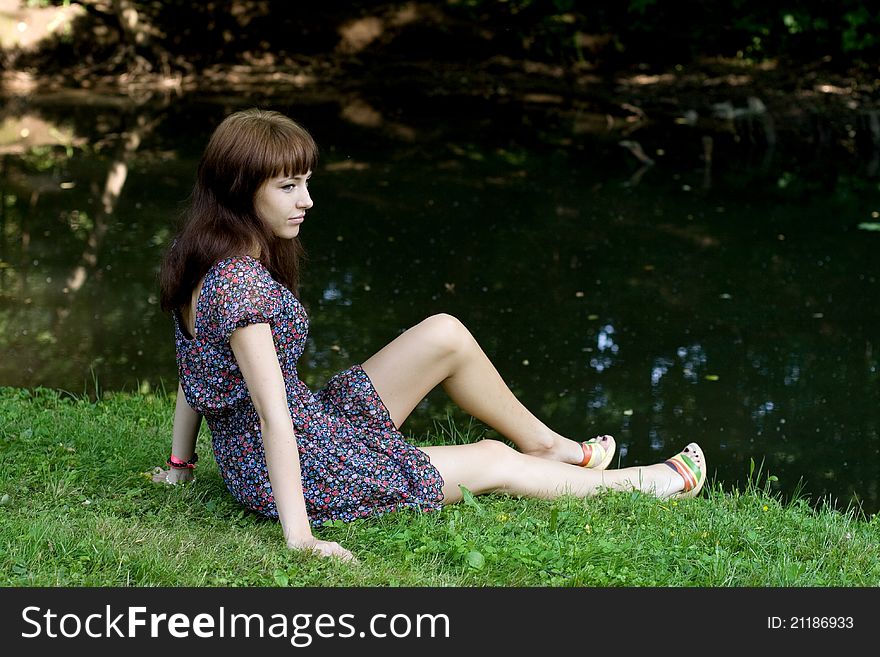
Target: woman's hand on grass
(321,548)
(172,475)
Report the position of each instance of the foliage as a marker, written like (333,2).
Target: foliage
(648,30)
(75,510)
(185,35)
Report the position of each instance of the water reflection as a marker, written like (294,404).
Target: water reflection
(738,315)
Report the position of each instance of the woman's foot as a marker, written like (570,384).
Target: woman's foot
(598,451)
(689,472)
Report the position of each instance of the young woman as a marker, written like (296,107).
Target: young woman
(229,280)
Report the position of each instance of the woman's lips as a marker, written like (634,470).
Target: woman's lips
(297,220)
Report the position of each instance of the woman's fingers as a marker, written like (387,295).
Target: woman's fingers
(159,476)
(171,476)
(327,549)
(332,549)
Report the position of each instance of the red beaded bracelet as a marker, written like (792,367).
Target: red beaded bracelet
(180,464)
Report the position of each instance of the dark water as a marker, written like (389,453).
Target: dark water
(734,304)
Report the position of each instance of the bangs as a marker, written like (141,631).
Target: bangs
(290,151)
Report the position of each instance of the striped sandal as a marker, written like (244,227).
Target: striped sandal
(690,464)
(596,455)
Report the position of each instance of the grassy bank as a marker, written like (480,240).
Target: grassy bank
(77,510)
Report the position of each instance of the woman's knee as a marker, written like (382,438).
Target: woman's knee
(447,334)
(497,462)
(497,453)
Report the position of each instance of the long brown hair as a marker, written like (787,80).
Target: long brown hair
(220,221)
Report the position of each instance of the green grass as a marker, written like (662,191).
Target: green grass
(76,509)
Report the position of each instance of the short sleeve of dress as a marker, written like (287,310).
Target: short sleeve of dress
(241,292)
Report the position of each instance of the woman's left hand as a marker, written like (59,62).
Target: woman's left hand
(172,475)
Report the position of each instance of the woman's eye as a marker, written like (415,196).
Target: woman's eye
(288,188)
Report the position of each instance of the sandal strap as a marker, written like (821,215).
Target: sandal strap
(687,469)
(593,453)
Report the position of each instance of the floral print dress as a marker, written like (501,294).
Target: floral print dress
(354,461)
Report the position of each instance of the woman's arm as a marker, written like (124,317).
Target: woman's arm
(255,354)
(183,440)
(186,427)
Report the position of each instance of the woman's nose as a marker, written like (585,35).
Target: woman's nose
(305,201)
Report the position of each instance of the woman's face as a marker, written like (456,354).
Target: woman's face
(282,203)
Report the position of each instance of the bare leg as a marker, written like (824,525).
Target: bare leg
(440,350)
(491,466)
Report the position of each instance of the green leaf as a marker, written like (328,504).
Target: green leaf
(475,559)
(470,500)
(280,577)
(554,516)
(711,377)
(870,225)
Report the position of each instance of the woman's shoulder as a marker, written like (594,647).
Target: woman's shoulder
(238,263)
(239,276)
(236,271)
(238,290)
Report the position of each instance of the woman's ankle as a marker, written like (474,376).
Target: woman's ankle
(554,447)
